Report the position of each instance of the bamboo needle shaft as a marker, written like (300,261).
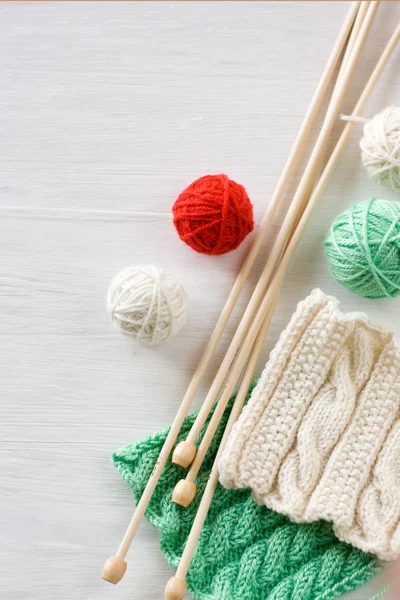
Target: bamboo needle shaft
(177,583)
(235,412)
(185,493)
(115,567)
(362,11)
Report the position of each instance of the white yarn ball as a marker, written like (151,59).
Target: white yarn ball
(380,148)
(147,304)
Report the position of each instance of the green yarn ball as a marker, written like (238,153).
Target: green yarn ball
(363,248)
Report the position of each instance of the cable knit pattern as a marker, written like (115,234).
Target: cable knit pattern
(320,436)
(246,551)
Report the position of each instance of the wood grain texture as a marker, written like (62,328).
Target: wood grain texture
(107,110)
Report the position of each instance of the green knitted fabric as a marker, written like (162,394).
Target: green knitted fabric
(246,551)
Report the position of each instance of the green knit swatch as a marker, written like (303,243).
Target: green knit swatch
(245,551)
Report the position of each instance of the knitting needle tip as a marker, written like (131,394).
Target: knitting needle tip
(175,589)
(114,569)
(184,454)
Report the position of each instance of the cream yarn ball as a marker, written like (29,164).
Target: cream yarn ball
(147,304)
(380,148)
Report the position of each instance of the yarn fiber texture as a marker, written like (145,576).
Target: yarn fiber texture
(363,248)
(320,436)
(147,304)
(213,215)
(380,148)
(245,551)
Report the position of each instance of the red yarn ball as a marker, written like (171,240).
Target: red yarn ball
(213,215)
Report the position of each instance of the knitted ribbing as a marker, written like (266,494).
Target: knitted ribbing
(320,437)
(246,551)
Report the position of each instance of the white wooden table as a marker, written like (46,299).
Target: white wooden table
(107,111)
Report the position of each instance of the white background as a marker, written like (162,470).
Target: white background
(107,111)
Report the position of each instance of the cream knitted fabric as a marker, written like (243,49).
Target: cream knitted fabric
(320,436)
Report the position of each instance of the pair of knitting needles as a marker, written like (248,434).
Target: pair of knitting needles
(360,18)
(185,490)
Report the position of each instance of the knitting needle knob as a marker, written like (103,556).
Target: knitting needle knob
(114,569)
(184,454)
(175,589)
(184,493)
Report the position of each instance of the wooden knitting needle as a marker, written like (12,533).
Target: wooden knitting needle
(362,11)
(115,567)
(234,362)
(349,47)
(186,450)
(176,587)
(353,36)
